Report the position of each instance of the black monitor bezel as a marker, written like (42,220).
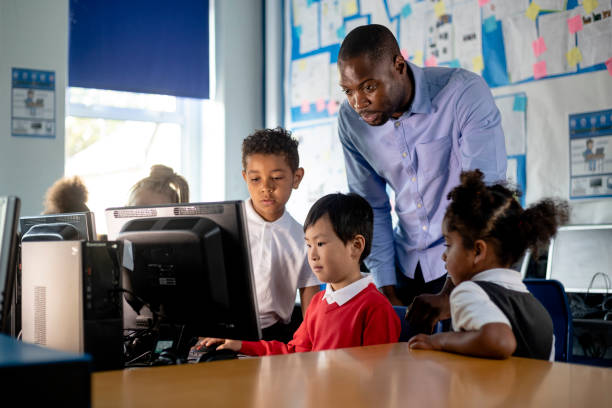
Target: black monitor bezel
(8,260)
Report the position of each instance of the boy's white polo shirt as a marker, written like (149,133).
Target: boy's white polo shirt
(280,264)
(341,296)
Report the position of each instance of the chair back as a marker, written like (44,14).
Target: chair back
(552,295)
(406,333)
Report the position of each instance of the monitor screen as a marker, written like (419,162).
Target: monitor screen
(52,227)
(580,257)
(194,269)
(9,214)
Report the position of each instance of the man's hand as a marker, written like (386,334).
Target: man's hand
(426,309)
(389,292)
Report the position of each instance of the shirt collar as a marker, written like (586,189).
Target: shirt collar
(422,101)
(341,296)
(256,218)
(508,278)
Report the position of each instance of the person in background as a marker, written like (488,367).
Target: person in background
(351,311)
(486,231)
(162,186)
(66,195)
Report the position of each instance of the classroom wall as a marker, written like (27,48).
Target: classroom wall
(34,35)
(549,102)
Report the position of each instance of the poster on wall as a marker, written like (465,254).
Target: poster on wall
(590,139)
(33,103)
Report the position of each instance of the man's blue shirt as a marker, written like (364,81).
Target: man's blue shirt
(452,125)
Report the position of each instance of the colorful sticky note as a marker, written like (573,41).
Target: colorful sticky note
(309,3)
(406,10)
(483,2)
(574,24)
(418,58)
(477,63)
(332,107)
(532,11)
(589,5)
(520,103)
(350,8)
(539,46)
(404,53)
(490,24)
(301,65)
(298,30)
(455,63)
(431,61)
(609,65)
(539,70)
(439,8)
(574,56)
(305,108)
(341,32)
(320,105)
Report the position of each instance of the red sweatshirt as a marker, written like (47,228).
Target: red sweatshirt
(366,319)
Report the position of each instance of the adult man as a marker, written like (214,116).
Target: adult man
(412,129)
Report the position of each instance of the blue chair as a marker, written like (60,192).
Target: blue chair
(406,333)
(551,294)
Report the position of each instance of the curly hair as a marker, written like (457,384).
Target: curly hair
(163,180)
(272,141)
(492,213)
(66,195)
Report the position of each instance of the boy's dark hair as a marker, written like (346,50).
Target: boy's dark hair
(272,141)
(374,41)
(349,214)
(492,213)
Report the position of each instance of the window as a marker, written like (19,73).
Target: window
(113,138)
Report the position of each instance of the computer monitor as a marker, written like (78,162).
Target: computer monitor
(59,227)
(9,214)
(580,257)
(194,270)
(117,217)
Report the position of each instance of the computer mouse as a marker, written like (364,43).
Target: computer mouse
(213,354)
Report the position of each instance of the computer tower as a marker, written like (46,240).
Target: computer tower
(72,300)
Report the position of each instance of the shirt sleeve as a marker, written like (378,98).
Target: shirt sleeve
(382,325)
(482,142)
(363,180)
(471,308)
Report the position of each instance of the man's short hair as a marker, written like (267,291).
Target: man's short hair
(374,41)
(350,215)
(272,141)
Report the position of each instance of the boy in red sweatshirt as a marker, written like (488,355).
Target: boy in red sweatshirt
(350,311)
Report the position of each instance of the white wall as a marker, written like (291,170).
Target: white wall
(549,102)
(34,35)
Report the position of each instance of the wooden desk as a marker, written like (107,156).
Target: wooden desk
(377,376)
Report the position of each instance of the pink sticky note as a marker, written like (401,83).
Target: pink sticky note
(483,2)
(539,46)
(574,24)
(539,70)
(320,105)
(431,61)
(404,53)
(332,107)
(609,65)
(305,108)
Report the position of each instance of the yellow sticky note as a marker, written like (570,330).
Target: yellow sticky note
(478,63)
(439,9)
(301,65)
(418,58)
(532,11)
(349,8)
(589,5)
(574,56)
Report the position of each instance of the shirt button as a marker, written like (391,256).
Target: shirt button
(414,179)
(419,205)
(404,154)
(397,124)
(424,227)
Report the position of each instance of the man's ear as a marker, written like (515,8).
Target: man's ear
(244,175)
(357,245)
(480,250)
(297,177)
(399,64)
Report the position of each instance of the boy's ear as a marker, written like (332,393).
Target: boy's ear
(480,250)
(297,177)
(357,245)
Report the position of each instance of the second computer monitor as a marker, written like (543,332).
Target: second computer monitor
(59,227)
